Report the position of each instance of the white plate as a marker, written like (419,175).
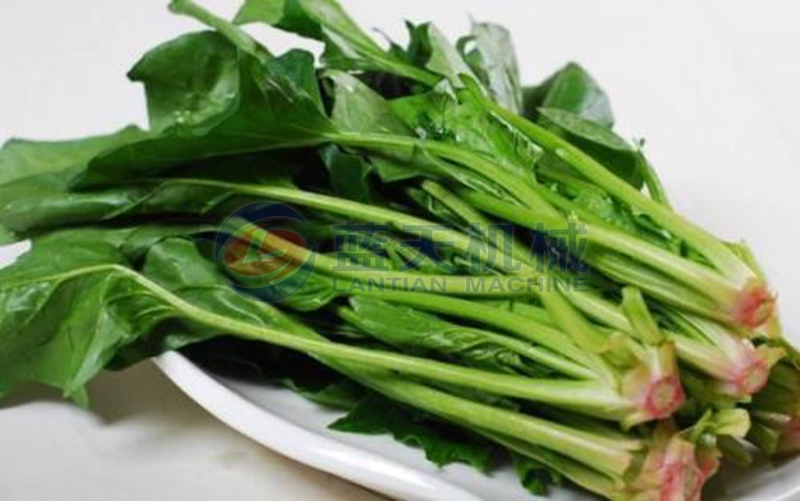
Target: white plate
(296,428)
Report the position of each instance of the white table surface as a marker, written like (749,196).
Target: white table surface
(712,85)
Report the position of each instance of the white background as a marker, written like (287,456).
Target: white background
(713,85)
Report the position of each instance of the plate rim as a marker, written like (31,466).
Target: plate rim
(396,480)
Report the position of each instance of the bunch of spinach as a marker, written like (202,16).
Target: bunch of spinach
(669,357)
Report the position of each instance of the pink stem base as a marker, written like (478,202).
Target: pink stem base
(663,397)
(754,307)
(675,470)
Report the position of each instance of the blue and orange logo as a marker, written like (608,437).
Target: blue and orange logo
(264,251)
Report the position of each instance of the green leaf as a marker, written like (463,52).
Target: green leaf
(616,154)
(443,445)
(357,108)
(287,15)
(180,95)
(349,174)
(606,208)
(535,476)
(438,115)
(494,61)
(47,201)
(44,201)
(344,394)
(22,158)
(571,89)
(313,294)
(425,334)
(233,33)
(309,18)
(70,307)
(438,55)
(180,268)
(7,236)
(276,107)
(348,47)
(584,129)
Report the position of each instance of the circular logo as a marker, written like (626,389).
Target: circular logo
(263,250)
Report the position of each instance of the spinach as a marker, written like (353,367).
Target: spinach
(490,53)
(21,158)
(376,415)
(274,108)
(422,333)
(601,143)
(439,115)
(433,142)
(177,95)
(73,283)
(47,201)
(430,49)
(347,45)
(571,89)
(534,475)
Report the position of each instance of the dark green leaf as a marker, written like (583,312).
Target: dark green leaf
(425,334)
(21,158)
(180,95)
(535,476)
(349,174)
(347,45)
(602,143)
(301,292)
(287,15)
(438,55)
(344,394)
(438,115)
(275,108)
(357,108)
(494,61)
(229,30)
(72,306)
(46,201)
(585,129)
(442,444)
(571,89)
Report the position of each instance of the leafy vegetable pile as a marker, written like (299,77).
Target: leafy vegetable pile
(626,354)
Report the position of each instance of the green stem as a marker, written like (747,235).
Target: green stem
(653,182)
(590,479)
(236,35)
(642,321)
(656,284)
(393,280)
(611,456)
(519,189)
(522,348)
(604,455)
(343,207)
(701,278)
(520,326)
(715,251)
(580,396)
(470,216)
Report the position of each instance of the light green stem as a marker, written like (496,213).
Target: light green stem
(715,251)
